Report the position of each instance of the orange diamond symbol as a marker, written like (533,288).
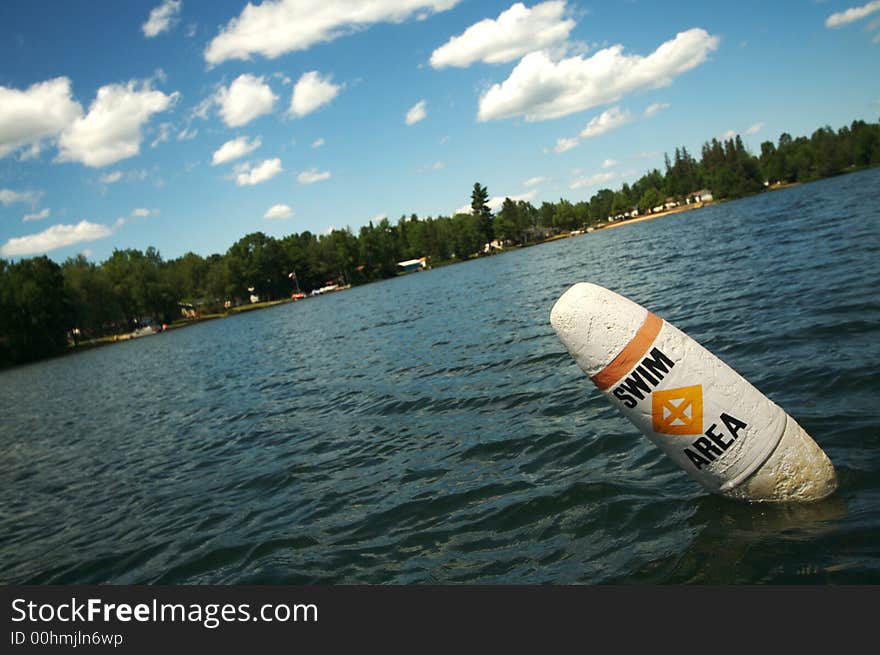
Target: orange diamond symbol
(678,411)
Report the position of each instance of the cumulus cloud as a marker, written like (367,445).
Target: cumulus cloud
(310,92)
(278,212)
(248,176)
(57,236)
(39,216)
(610,163)
(565,144)
(234,149)
(39,112)
(593,180)
(851,15)
(608,120)
(754,129)
(111,130)
(317,143)
(162,18)
(244,100)
(8,196)
(516,32)
(276,27)
(539,88)
(535,181)
(417,112)
(312,175)
(655,108)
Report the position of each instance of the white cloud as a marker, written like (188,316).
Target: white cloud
(138,212)
(278,212)
(593,180)
(276,27)
(516,32)
(8,196)
(111,130)
(246,98)
(39,216)
(163,136)
(32,151)
(541,89)
(317,143)
(312,175)
(438,166)
(851,15)
(608,120)
(417,112)
(495,202)
(162,18)
(312,91)
(655,108)
(565,144)
(610,163)
(248,176)
(110,178)
(57,236)
(187,134)
(202,109)
(535,181)
(754,129)
(730,134)
(39,112)
(234,149)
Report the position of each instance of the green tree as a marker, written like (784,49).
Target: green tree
(480,209)
(507,223)
(35,311)
(257,262)
(466,235)
(93,303)
(650,199)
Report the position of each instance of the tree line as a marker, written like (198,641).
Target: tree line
(44,306)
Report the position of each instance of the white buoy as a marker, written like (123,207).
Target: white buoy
(710,420)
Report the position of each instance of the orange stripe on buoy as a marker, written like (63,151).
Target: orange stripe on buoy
(631,354)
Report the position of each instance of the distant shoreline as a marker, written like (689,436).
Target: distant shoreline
(692,206)
(184,322)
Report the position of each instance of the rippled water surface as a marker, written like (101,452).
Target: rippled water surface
(432,428)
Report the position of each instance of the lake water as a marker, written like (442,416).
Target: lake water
(433,429)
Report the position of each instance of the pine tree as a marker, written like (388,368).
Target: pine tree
(480,209)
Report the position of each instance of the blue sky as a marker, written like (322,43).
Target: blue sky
(185,125)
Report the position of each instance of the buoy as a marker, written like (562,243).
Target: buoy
(710,420)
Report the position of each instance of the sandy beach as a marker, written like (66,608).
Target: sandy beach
(648,217)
